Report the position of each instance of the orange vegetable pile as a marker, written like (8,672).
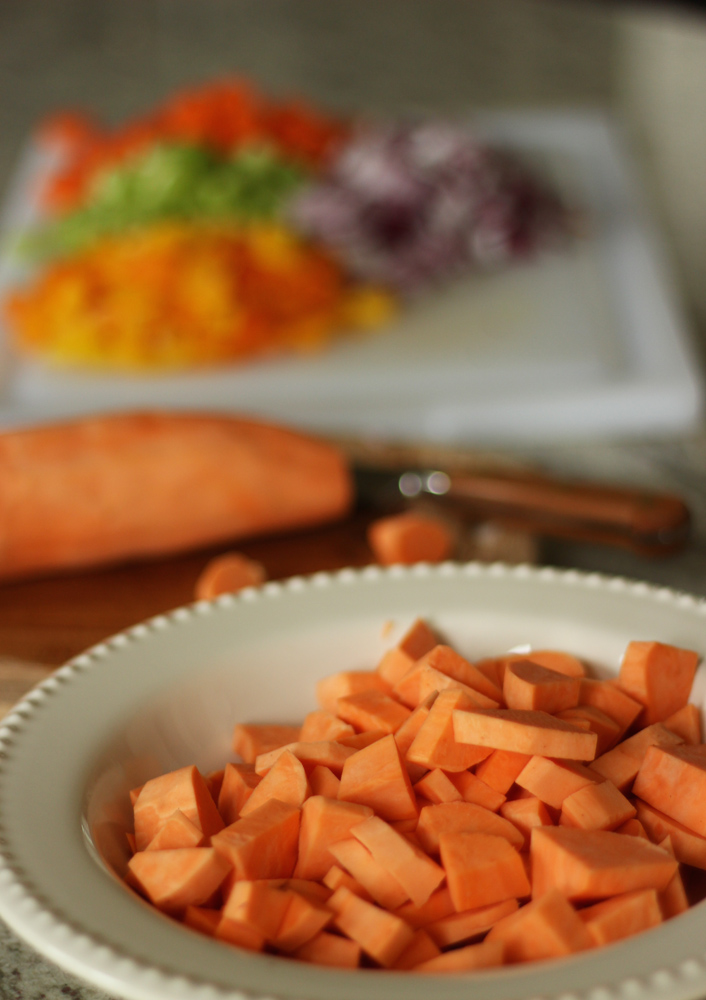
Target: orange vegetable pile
(434,814)
(175,295)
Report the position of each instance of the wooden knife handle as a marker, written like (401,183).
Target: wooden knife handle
(650,523)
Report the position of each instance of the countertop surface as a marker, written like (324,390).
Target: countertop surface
(96,53)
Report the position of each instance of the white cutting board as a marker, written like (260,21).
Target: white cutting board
(585,342)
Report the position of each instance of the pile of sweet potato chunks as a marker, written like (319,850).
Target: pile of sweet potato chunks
(434,814)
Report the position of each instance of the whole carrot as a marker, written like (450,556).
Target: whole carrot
(112,488)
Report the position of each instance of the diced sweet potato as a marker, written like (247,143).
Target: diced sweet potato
(330,949)
(548,927)
(473,789)
(528,685)
(252,739)
(611,699)
(328,753)
(176,831)
(324,822)
(460,817)
(688,847)
(486,955)
(383,936)
(552,780)
(524,732)
(481,869)
(586,865)
(436,786)
(263,844)
(416,872)
(322,725)
(686,722)
(286,781)
(501,768)
(376,777)
(417,641)
(596,807)
(621,764)
(526,814)
(175,879)
(673,780)
(377,881)
(183,789)
(421,949)
(622,916)
(659,676)
(345,683)
(606,729)
(239,781)
(434,746)
(372,710)
(455,928)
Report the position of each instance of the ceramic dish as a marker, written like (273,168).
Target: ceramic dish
(167,693)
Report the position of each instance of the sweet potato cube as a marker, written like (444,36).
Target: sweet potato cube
(449,662)
(673,780)
(416,872)
(303,920)
(462,817)
(685,722)
(331,950)
(421,949)
(688,847)
(327,753)
(548,927)
(417,641)
(437,906)
(372,710)
(286,781)
(526,814)
(435,746)
(524,732)
(436,786)
(606,729)
(673,899)
(611,699)
(175,879)
(530,686)
(380,884)
(239,781)
(259,904)
(202,919)
(621,764)
(501,768)
(552,780)
(336,877)
(381,935)
(481,869)
(586,865)
(239,934)
(659,676)
(596,807)
(622,916)
(633,828)
(252,739)
(486,955)
(557,660)
(183,789)
(323,781)
(473,789)
(341,685)
(377,777)
(321,725)
(176,831)
(263,844)
(324,821)
(455,928)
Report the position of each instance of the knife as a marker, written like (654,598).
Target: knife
(645,522)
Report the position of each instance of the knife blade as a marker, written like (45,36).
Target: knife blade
(646,522)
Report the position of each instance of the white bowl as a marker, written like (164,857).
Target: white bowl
(167,693)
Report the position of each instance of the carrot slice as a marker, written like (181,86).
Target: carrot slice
(263,844)
(175,879)
(418,875)
(528,685)
(485,955)
(459,817)
(417,641)
(410,538)
(376,777)
(324,821)
(252,739)
(548,927)
(481,869)
(659,676)
(524,732)
(183,789)
(673,780)
(587,865)
(622,916)
(381,935)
